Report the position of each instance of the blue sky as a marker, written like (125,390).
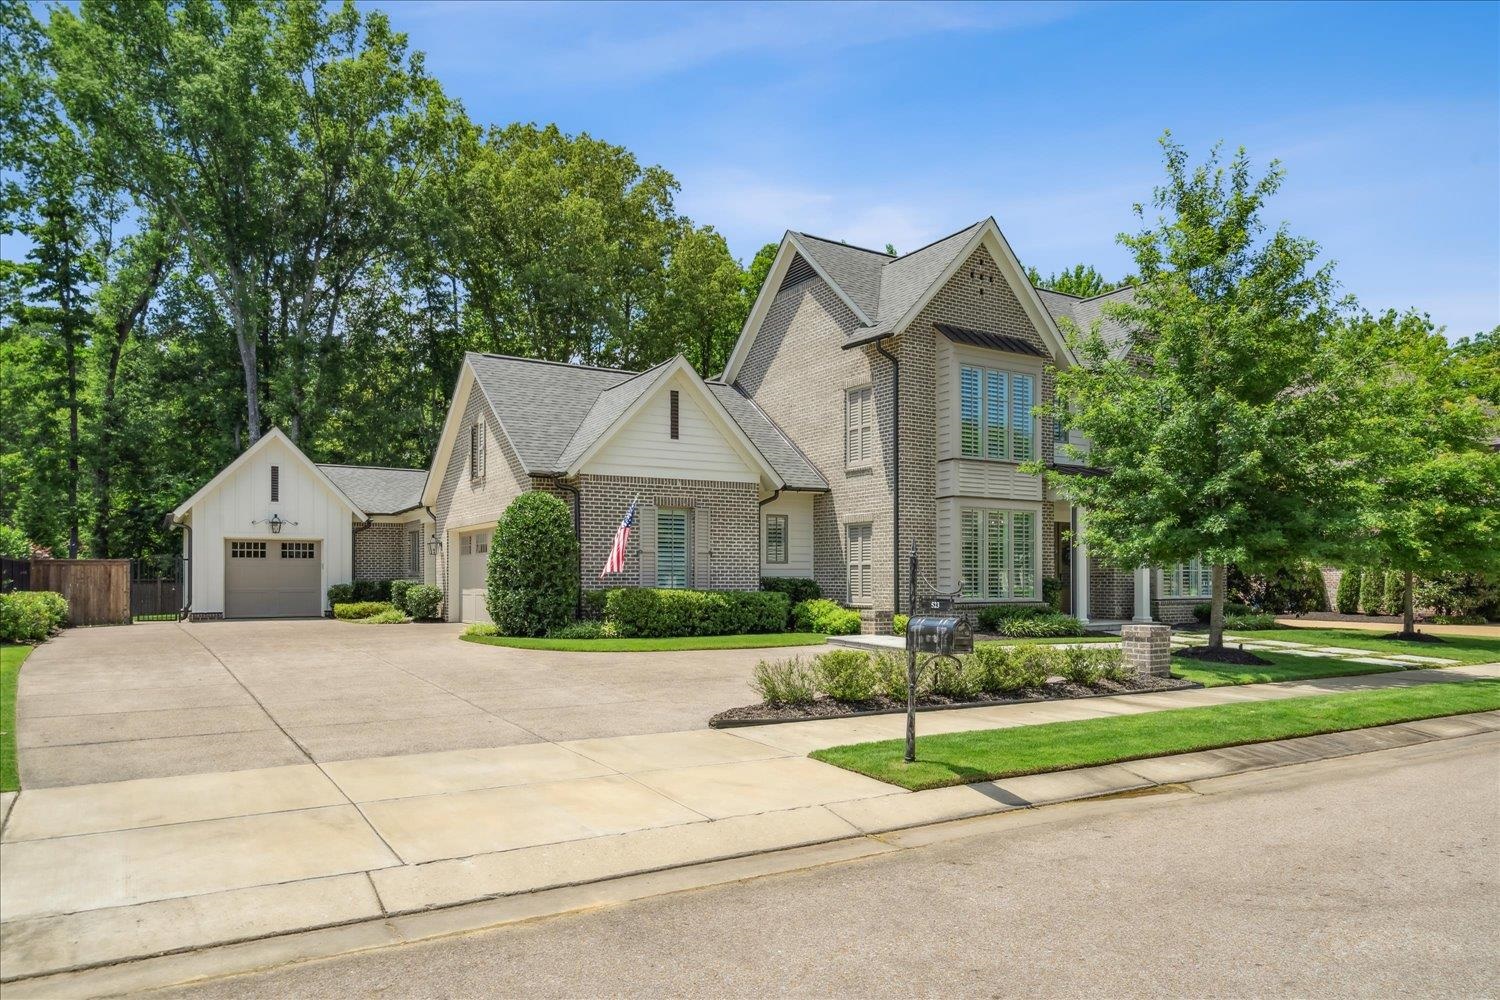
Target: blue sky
(901,123)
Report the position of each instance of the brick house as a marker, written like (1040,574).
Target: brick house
(871,402)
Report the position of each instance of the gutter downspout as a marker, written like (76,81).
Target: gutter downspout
(895,474)
(760,540)
(187,573)
(578,537)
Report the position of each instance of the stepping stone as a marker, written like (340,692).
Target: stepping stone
(1314,653)
(1342,650)
(1281,642)
(1377,661)
(1412,658)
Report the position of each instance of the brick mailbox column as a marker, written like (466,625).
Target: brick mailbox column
(1148,649)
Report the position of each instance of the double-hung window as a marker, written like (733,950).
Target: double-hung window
(997,553)
(994,414)
(672,548)
(1193,578)
(859,422)
(776,539)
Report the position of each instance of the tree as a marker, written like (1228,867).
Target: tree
(760,266)
(1430,480)
(1346,601)
(1221,436)
(1081,280)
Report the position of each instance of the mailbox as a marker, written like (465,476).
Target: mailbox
(945,635)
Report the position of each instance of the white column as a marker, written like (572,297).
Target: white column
(1143,594)
(1080,569)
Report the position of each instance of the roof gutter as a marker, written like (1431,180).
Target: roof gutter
(895,473)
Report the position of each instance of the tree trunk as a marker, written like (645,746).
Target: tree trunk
(1408,611)
(1216,604)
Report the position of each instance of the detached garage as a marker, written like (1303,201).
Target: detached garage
(268,535)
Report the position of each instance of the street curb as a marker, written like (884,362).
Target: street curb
(886,824)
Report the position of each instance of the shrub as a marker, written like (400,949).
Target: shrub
(587,628)
(1078,666)
(31,615)
(648,612)
(532,576)
(422,601)
(845,675)
(890,676)
(1464,595)
(1030,666)
(1297,588)
(1372,591)
(1395,592)
(481,628)
(387,617)
(1458,619)
(1201,612)
(340,593)
(1346,601)
(991,666)
(796,588)
(1042,626)
(1111,661)
(899,623)
(1052,593)
(593,603)
(953,678)
(358,610)
(784,682)
(825,616)
(991,618)
(398,593)
(13,543)
(372,590)
(1250,622)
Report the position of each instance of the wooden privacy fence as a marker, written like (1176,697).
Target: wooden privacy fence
(155,596)
(98,590)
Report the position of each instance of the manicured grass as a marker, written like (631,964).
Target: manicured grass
(655,645)
(11,658)
(1464,648)
(1283,667)
(1013,641)
(958,758)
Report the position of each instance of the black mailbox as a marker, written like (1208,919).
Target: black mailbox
(945,635)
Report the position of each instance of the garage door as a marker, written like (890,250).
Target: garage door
(473,562)
(273,579)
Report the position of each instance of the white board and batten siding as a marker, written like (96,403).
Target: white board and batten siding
(797,508)
(644,448)
(313,512)
(978,477)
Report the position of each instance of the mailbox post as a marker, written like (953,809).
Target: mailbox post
(942,633)
(911,656)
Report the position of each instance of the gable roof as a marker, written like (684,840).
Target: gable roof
(274,434)
(885,293)
(787,458)
(378,489)
(609,406)
(1086,312)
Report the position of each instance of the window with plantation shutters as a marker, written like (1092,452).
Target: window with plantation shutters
(1193,578)
(861,586)
(997,554)
(994,414)
(860,422)
(776,538)
(672,548)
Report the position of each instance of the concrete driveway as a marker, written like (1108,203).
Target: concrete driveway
(161,698)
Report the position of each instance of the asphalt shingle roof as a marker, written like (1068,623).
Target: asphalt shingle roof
(379,490)
(608,407)
(790,464)
(1086,312)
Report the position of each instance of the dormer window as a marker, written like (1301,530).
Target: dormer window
(275,484)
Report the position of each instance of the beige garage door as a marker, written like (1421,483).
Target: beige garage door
(273,579)
(473,563)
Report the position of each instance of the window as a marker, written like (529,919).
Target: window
(672,548)
(298,550)
(275,484)
(466,545)
(1059,432)
(414,553)
(997,553)
(481,544)
(860,421)
(1187,579)
(247,550)
(861,588)
(476,450)
(775,538)
(673,394)
(994,414)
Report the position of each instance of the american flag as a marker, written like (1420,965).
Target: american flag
(616,561)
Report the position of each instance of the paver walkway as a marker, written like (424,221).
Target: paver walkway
(108,871)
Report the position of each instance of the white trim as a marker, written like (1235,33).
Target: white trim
(274,434)
(712,408)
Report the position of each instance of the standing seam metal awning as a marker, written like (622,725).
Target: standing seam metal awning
(994,341)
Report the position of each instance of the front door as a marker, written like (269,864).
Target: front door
(473,565)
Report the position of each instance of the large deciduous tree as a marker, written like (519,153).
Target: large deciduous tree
(1220,437)
(1082,280)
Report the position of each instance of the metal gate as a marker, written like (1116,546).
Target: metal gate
(156,587)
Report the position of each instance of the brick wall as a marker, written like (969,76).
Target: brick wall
(1176,610)
(1111,591)
(380,552)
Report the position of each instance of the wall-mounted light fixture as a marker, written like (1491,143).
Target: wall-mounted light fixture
(274,522)
(434,544)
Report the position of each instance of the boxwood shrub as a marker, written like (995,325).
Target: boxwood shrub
(825,616)
(532,577)
(340,593)
(398,594)
(656,613)
(422,601)
(796,588)
(31,615)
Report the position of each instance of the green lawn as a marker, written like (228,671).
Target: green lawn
(1012,641)
(11,658)
(1465,648)
(1283,667)
(958,758)
(654,645)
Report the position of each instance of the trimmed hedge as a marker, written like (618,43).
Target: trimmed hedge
(532,575)
(825,616)
(655,613)
(340,593)
(31,615)
(796,588)
(359,610)
(1346,600)
(361,590)
(422,601)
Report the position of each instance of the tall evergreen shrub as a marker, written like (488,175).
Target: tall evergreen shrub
(533,567)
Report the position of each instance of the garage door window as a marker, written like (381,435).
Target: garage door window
(296,550)
(247,550)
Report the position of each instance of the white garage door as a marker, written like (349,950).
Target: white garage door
(473,561)
(273,579)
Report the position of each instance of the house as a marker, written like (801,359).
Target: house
(871,404)
(268,535)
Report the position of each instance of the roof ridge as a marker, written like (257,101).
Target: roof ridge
(1112,291)
(1053,291)
(558,364)
(842,243)
(942,239)
(383,468)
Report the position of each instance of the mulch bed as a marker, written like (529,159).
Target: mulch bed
(1224,654)
(1413,637)
(827,708)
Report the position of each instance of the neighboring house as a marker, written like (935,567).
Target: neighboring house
(268,535)
(872,402)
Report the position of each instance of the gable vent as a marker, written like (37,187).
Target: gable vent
(798,271)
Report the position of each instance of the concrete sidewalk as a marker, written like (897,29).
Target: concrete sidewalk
(102,873)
